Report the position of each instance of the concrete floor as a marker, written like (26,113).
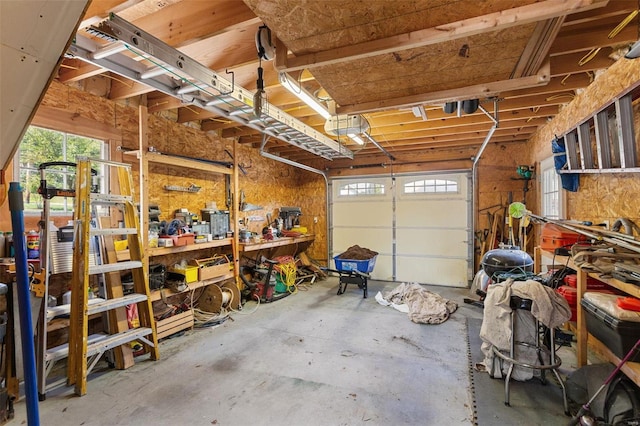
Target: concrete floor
(314,358)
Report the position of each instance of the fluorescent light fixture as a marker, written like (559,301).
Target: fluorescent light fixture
(306,97)
(634,51)
(357,139)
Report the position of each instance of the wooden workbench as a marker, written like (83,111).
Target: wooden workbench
(278,247)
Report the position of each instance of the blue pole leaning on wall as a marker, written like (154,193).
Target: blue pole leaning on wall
(24,303)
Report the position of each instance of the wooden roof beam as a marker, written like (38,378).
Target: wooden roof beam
(480,91)
(122,88)
(491,22)
(75,70)
(157,102)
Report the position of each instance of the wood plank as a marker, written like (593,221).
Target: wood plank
(168,326)
(630,369)
(117,317)
(470,92)
(177,25)
(122,88)
(172,160)
(76,70)
(53,118)
(157,102)
(477,25)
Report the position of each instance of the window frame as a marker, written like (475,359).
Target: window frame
(356,195)
(547,188)
(67,204)
(431,183)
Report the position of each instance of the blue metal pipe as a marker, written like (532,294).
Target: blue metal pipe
(24,303)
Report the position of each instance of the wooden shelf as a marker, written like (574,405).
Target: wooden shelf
(631,369)
(157,294)
(284,241)
(583,338)
(176,161)
(161,251)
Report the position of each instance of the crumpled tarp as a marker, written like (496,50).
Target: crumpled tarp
(422,306)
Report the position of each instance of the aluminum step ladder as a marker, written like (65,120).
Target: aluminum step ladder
(137,55)
(83,350)
(605,143)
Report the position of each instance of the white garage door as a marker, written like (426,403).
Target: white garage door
(418,224)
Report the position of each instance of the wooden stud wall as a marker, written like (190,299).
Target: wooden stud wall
(268,184)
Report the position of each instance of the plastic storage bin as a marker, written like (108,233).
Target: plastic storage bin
(592,283)
(570,294)
(190,273)
(365,266)
(554,236)
(616,328)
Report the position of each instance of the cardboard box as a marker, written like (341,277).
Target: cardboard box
(212,267)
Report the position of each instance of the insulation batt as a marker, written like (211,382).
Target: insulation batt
(425,307)
(548,307)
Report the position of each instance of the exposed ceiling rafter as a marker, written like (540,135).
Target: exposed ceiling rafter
(467,27)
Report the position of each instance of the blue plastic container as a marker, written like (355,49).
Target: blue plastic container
(365,266)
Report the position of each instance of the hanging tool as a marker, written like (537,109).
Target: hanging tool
(258,97)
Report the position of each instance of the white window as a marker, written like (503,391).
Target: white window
(361,189)
(431,186)
(551,194)
(43,145)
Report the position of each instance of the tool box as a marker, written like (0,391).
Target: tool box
(212,267)
(618,329)
(554,236)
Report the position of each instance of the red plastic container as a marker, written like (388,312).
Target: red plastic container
(592,283)
(183,239)
(571,295)
(554,236)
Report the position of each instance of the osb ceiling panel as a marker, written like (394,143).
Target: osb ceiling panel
(312,26)
(459,63)
(307,26)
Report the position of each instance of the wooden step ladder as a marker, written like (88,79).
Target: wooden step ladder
(84,351)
